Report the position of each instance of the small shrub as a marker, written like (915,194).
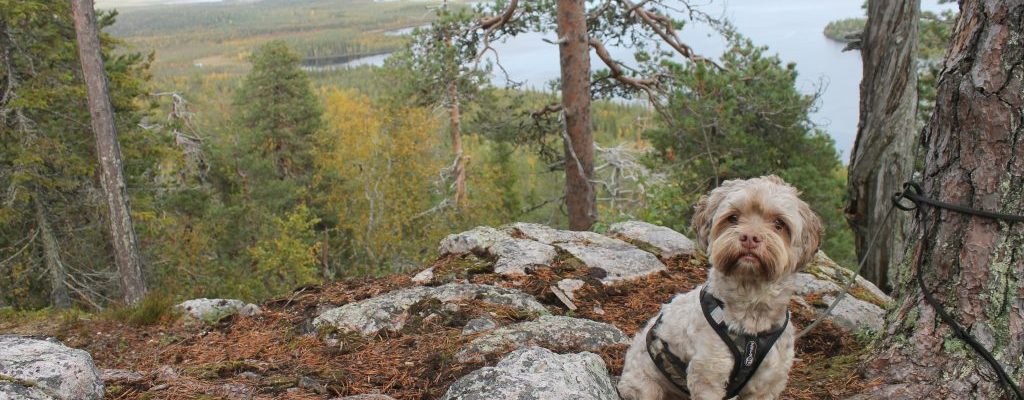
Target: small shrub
(151,310)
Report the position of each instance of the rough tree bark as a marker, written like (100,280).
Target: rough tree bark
(574,55)
(455,124)
(882,157)
(974,145)
(59,298)
(126,254)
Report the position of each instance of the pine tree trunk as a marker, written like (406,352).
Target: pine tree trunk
(126,254)
(456,132)
(882,157)
(974,145)
(574,54)
(59,298)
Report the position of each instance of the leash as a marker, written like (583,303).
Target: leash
(913,192)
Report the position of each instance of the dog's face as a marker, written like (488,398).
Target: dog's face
(756,228)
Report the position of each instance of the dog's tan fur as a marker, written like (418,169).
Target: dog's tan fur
(782,235)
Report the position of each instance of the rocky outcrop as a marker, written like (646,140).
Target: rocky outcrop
(214,310)
(552,332)
(517,248)
(391,310)
(46,369)
(616,259)
(536,373)
(513,256)
(665,242)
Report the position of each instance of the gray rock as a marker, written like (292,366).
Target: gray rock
(668,243)
(248,375)
(552,236)
(391,310)
(513,256)
(424,277)
(312,384)
(853,314)
(14,391)
(517,256)
(553,332)
(618,264)
(235,391)
(44,369)
(618,259)
(120,376)
(365,397)
(537,374)
(570,286)
(477,325)
(166,373)
(807,284)
(476,240)
(824,268)
(214,310)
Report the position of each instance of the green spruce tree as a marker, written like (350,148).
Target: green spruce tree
(54,249)
(746,119)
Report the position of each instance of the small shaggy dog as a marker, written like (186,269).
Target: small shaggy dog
(757,234)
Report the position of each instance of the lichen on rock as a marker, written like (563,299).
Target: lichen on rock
(46,369)
(535,373)
(666,242)
(391,310)
(552,332)
(211,311)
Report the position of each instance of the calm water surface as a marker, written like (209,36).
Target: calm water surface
(790,28)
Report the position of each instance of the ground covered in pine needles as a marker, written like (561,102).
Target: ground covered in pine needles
(279,355)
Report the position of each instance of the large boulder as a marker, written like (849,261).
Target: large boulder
(391,310)
(46,369)
(862,309)
(550,331)
(825,269)
(666,242)
(214,310)
(853,314)
(513,256)
(617,259)
(536,373)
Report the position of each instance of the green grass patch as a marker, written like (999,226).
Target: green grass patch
(151,310)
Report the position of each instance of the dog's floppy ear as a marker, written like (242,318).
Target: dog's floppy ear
(704,211)
(810,237)
(701,223)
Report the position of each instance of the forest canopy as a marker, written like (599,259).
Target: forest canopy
(250,178)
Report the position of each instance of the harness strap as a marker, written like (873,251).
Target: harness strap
(750,350)
(667,362)
(746,359)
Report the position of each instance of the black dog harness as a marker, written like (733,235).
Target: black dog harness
(747,351)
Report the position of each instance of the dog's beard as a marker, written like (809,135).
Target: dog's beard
(768,261)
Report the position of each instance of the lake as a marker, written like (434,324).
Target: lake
(791,28)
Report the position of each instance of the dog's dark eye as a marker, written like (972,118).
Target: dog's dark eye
(780,224)
(733,219)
